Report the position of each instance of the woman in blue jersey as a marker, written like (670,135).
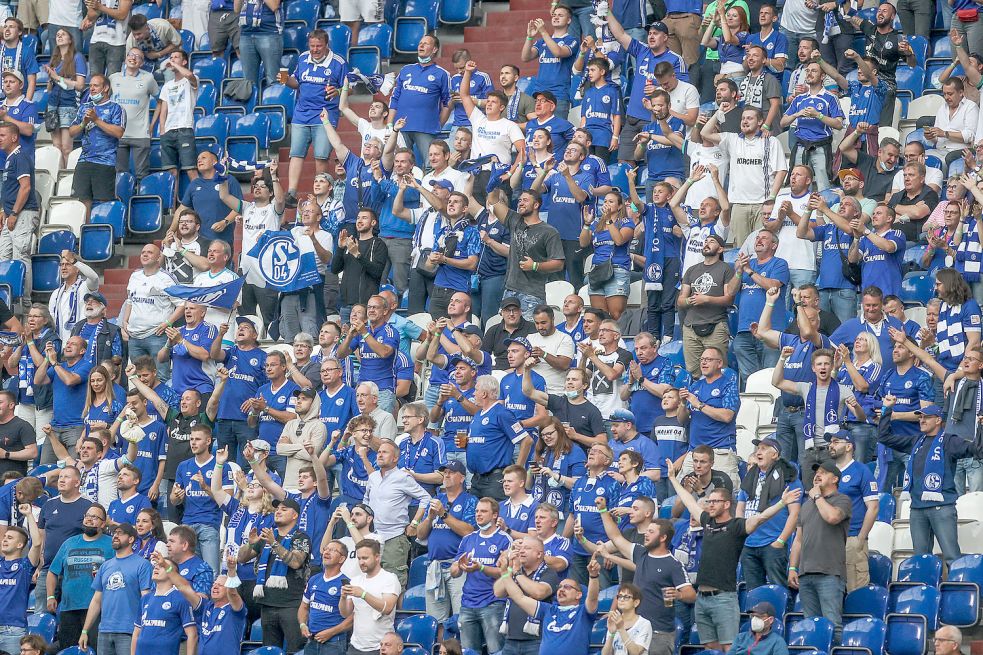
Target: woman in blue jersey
(862,373)
(730,46)
(101,405)
(66,77)
(611,236)
(555,457)
(151,537)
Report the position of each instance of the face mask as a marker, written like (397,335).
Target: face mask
(571,394)
(757,624)
(424,60)
(89,532)
(484,526)
(96,97)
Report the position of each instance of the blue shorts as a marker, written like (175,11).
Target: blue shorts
(618,285)
(301,137)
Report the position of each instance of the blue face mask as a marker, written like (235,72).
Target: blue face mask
(424,60)
(96,97)
(571,394)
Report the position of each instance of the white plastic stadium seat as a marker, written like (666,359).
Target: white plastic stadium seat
(557,291)
(969,507)
(881,538)
(70,213)
(422,319)
(760,383)
(635,294)
(64,187)
(73,159)
(47,158)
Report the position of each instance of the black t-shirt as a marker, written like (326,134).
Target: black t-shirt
(15,435)
(517,617)
(179,439)
(61,520)
(5,313)
(722,545)
(494,341)
(913,229)
(717,479)
(631,534)
(296,578)
(584,418)
(652,575)
(877,183)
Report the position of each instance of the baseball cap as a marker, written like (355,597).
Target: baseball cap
(931,410)
(454,465)
(323,177)
(763,607)
(246,318)
(472,329)
(522,341)
(659,26)
(95,295)
(855,172)
(310,392)
(259,444)
(719,239)
(828,466)
(546,95)
(841,435)
(128,529)
(509,301)
(14,73)
(622,416)
(289,503)
(768,441)
(454,359)
(443,184)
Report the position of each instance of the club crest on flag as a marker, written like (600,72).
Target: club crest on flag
(279,260)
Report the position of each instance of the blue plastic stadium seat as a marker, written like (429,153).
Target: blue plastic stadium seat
(43,624)
(942,47)
(408,32)
(158,184)
(295,36)
(210,68)
(921,600)
(919,45)
(204,44)
(414,600)
(906,635)
(279,94)
(379,35)
(187,41)
(426,9)
(862,637)
(880,569)
(599,633)
(96,242)
(226,101)
(340,39)
(112,214)
(267,650)
(126,186)
(305,10)
(277,117)
(145,214)
(45,274)
(960,602)
(250,137)
(910,79)
(75,650)
(420,629)
(769,593)
(53,243)
(455,12)
(256,631)
(869,601)
(418,570)
(814,632)
(917,288)
(149,10)
(207,97)
(366,59)
(933,73)
(215,127)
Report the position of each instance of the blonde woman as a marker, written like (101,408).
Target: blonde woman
(101,405)
(861,373)
(610,278)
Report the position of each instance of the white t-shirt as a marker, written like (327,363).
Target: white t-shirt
(350,567)
(255,221)
(180,97)
(493,137)
(371,625)
(366,130)
(640,633)
(704,188)
(559,343)
(323,237)
(149,305)
(65,12)
(452,175)
(107,29)
(684,97)
(747,157)
(799,253)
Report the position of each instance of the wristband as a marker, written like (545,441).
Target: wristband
(770,304)
(304,626)
(529,38)
(481,567)
(85,631)
(414,523)
(612,634)
(363,595)
(603,511)
(793,568)
(509,571)
(780,540)
(593,577)
(51,598)
(781,504)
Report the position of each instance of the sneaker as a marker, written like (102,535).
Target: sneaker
(290,202)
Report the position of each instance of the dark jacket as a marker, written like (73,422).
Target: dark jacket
(106,337)
(363,274)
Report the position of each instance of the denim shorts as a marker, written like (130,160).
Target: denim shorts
(717,617)
(177,149)
(301,137)
(66,116)
(618,285)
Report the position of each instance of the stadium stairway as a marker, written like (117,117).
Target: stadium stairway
(494,38)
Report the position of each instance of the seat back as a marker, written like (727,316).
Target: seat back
(925,568)
(420,629)
(53,243)
(919,600)
(45,273)
(112,214)
(96,242)
(816,632)
(769,593)
(867,601)
(145,215)
(864,633)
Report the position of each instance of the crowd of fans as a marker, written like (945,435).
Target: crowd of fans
(175,473)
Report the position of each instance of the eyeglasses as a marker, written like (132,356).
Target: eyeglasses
(710,359)
(568,586)
(607,330)
(551,433)
(364,430)
(944,639)
(625,597)
(716,500)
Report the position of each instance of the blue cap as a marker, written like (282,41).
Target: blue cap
(443,184)
(658,25)
(245,318)
(769,441)
(388,287)
(931,410)
(522,341)
(95,295)
(841,435)
(454,359)
(454,465)
(622,416)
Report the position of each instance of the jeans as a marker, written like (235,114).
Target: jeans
(387,400)
(256,47)
(280,626)
(717,617)
(765,565)
(865,441)
(449,602)
(298,313)
(235,434)
(581,26)
(485,302)
(524,647)
(752,355)
(479,626)
(139,150)
(208,544)
(969,475)
(822,595)
(261,298)
(527,302)
(105,59)
(930,523)
(661,317)
(41,591)
(420,288)
(113,643)
(150,346)
(399,263)
(68,437)
(973,33)
(788,431)
(420,141)
(842,302)
(339,647)
(916,17)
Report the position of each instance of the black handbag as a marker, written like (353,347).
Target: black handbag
(851,270)
(704,330)
(428,270)
(600,274)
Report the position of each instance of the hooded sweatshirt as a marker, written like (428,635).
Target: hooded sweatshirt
(306,429)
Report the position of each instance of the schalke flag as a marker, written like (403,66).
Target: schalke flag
(223,296)
(285,264)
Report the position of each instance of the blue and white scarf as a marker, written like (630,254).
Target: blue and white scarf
(933,472)
(532,624)
(26,368)
(830,418)
(969,253)
(654,256)
(271,570)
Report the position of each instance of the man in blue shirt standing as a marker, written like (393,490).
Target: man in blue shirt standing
(273,406)
(421,96)
(318,79)
(119,585)
(555,53)
(750,285)
(68,378)
(714,400)
(376,343)
(815,114)
(246,364)
(19,218)
(101,123)
(491,441)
